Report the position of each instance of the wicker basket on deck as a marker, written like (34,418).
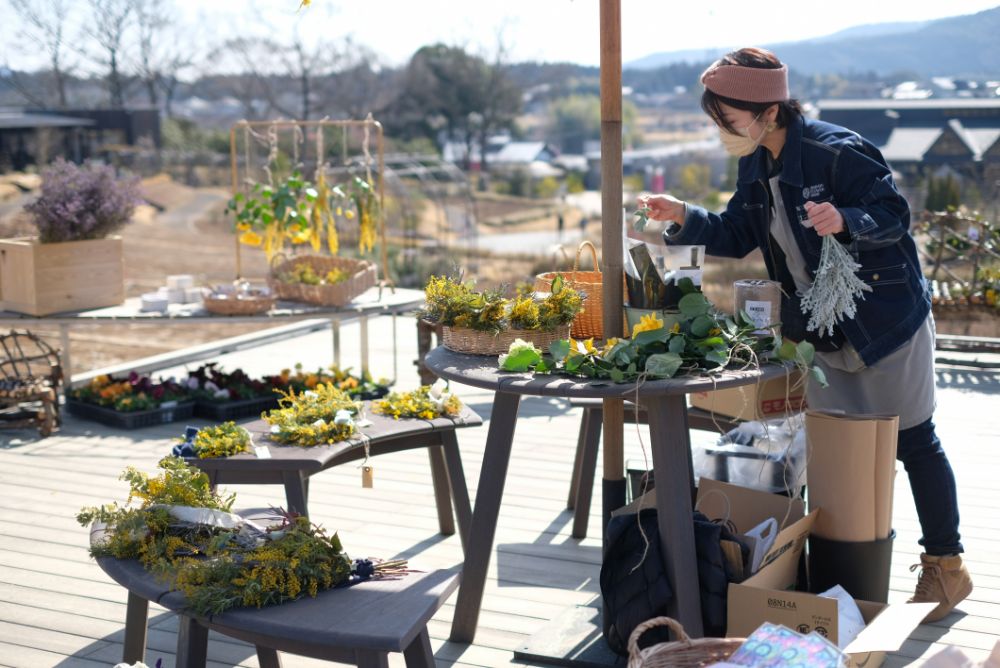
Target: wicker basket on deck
(684,652)
(473,342)
(589,322)
(362,275)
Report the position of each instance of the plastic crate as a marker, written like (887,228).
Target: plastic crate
(130,420)
(223,411)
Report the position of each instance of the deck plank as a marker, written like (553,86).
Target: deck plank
(58,608)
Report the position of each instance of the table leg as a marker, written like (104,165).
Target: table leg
(192,643)
(442,490)
(484,516)
(671,448)
(65,359)
(363,326)
(268,658)
(295,491)
(370,659)
(335,330)
(136,619)
(459,490)
(418,653)
(588,466)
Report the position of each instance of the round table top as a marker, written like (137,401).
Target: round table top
(482,371)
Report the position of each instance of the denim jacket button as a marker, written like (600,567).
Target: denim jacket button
(874,277)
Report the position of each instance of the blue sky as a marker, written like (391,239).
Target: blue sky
(530,29)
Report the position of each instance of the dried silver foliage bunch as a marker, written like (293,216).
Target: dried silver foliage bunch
(835,289)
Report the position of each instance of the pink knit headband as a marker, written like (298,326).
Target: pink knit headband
(747,84)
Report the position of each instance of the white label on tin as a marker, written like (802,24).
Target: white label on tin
(262,452)
(760,313)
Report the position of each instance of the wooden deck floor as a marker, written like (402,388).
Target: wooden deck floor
(57,608)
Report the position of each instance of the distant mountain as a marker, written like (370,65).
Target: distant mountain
(964,46)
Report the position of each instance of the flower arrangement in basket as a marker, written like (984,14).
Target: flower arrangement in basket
(486,323)
(326,281)
(183,531)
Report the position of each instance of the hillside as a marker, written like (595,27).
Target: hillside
(962,46)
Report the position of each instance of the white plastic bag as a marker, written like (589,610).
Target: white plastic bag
(849,619)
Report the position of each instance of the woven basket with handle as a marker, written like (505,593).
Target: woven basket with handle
(362,275)
(685,652)
(589,321)
(473,342)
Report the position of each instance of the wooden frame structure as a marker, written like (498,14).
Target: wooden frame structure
(367,125)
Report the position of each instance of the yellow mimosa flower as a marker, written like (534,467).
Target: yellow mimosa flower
(250,239)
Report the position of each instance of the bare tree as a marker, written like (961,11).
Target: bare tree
(111,19)
(501,97)
(46,22)
(152,17)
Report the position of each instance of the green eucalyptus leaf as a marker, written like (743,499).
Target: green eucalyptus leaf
(659,335)
(663,365)
(574,361)
(521,360)
(717,357)
(542,366)
(702,325)
(557,284)
(818,376)
(805,352)
(786,351)
(687,286)
(559,349)
(713,342)
(617,375)
(677,343)
(694,304)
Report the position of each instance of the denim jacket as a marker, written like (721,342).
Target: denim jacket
(822,162)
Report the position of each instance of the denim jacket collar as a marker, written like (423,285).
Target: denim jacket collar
(754,166)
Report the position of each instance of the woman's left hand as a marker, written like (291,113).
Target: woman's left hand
(825,218)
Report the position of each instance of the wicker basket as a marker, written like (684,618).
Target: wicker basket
(589,321)
(363,275)
(464,340)
(230,302)
(684,652)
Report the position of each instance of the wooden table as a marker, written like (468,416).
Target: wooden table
(666,407)
(359,624)
(291,466)
(372,302)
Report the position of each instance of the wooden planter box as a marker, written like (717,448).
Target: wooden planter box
(40,279)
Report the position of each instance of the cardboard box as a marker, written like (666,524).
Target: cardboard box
(767,596)
(770,399)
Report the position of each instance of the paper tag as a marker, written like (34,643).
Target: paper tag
(367,476)
(760,313)
(262,452)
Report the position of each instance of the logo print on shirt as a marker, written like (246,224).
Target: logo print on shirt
(813,191)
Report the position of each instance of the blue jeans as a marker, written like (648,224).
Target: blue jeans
(933,485)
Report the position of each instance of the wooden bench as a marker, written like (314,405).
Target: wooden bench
(585,462)
(358,625)
(292,466)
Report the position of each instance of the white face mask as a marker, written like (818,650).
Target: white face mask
(741,144)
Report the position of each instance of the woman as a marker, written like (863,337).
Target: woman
(801,180)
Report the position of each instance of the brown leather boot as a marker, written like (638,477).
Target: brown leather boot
(943,580)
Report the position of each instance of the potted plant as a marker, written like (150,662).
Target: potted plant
(75,262)
(130,402)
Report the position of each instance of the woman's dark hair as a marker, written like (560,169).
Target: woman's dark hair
(749,57)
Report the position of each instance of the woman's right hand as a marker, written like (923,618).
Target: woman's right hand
(663,207)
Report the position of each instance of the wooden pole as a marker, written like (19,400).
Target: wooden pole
(613,488)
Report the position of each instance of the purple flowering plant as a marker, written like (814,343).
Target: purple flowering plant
(88,202)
